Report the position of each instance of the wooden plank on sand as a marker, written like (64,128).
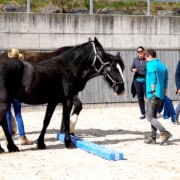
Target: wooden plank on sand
(93,148)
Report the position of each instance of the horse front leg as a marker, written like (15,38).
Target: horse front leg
(49,111)
(67,106)
(74,117)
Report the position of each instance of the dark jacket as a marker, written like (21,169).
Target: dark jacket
(177,75)
(168,108)
(140,65)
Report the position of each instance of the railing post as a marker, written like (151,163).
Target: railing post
(28,6)
(91,6)
(148,7)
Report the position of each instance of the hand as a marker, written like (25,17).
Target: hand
(178,91)
(134,70)
(165,92)
(154,93)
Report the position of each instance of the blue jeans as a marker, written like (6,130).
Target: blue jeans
(152,106)
(17,111)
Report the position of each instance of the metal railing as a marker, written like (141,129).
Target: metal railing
(28,6)
(149,4)
(90,6)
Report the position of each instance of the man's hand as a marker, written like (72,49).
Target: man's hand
(178,91)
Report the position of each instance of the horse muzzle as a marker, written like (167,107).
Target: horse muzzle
(119,89)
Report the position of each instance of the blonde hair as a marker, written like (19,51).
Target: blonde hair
(14,53)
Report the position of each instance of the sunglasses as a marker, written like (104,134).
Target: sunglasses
(140,51)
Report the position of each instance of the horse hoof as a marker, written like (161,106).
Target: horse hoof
(12,148)
(41,146)
(70,145)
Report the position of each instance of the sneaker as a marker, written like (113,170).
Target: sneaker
(176,123)
(142,117)
(150,140)
(25,141)
(164,137)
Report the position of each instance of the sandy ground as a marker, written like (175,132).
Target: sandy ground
(116,126)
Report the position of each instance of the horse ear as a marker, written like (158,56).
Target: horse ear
(95,39)
(118,54)
(97,42)
(90,39)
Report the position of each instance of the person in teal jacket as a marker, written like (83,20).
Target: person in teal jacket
(156,89)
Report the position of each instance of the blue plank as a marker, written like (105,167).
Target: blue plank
(93,148)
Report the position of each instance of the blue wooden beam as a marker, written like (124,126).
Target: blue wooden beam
(93,148)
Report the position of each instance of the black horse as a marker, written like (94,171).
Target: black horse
(36,57)
(56,80)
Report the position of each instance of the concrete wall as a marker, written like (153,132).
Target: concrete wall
(115,32)
(42,31)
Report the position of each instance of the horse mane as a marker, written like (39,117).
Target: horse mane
(60,50)
(120,60)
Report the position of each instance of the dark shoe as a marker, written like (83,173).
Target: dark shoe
(1,150)
(176,123)
(164,137)
(142,117)
(150,140)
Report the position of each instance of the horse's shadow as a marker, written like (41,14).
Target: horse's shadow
(89,134)
(93,133)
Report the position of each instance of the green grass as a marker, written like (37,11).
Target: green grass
(37,5)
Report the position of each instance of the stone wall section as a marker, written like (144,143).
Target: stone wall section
(115,32)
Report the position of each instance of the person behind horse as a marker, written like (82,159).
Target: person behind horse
(177,82)
(156,89)
(14,53)
(138,68)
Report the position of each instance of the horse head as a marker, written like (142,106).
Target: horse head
(111,66)
(113,73)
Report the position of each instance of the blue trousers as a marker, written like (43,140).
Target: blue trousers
(17,111)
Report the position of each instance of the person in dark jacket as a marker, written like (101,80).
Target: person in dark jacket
(177,82)
(138,87)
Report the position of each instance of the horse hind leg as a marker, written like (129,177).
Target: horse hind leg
(74,117)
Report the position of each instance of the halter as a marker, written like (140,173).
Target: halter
(114,82)
(98,58)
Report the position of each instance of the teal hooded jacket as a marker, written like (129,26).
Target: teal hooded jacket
(157,74)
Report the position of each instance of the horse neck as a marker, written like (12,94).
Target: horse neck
(86,69)
(3,56)
(59,51)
